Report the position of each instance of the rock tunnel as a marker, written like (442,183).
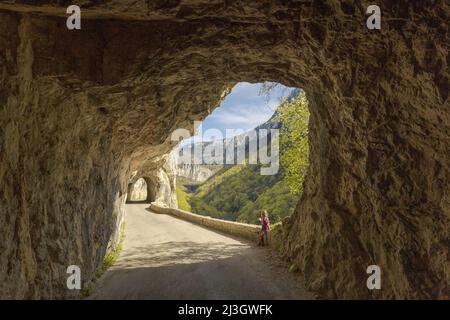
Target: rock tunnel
(156,186)
(140,190)
(81,110)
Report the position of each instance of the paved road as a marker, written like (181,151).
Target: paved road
(167,258)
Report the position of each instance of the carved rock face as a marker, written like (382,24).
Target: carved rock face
(81,110)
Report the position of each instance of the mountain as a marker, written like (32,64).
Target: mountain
(197,161)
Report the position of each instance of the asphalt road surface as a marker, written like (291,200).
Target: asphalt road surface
(167,258)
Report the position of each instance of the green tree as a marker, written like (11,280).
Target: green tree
(294,146)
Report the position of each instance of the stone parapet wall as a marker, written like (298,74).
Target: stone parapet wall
(247,231)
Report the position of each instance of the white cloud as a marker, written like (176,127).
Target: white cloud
(244,108)
(243,116)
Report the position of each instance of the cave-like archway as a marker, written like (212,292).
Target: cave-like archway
(141,190)
(83,109)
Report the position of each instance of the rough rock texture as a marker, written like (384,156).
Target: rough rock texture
(166,189)
(82,110)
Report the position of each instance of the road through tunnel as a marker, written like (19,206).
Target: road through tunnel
(82,110)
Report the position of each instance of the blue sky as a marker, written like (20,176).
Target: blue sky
(245,108)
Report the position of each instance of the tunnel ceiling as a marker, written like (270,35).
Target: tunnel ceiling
(83,109)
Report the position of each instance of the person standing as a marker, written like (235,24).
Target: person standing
(265,228)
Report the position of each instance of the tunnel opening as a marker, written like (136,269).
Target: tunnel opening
(261,117)
(137,191)
(140,191)
(219,171)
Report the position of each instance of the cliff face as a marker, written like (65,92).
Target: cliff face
(199,166)
(82,110)
(194,172)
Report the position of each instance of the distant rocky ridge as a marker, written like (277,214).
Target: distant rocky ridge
(195,172)
(200,169)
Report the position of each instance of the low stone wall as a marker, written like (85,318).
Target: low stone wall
(247,231)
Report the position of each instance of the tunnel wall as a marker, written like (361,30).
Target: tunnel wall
(82,110)
(150,190)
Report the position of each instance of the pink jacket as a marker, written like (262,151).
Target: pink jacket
(265,224)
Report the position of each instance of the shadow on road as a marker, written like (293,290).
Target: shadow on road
(183,252)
